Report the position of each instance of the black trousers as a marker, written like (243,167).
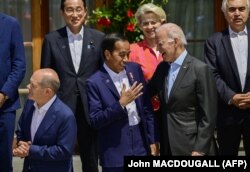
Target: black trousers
(87,140)
(229,138)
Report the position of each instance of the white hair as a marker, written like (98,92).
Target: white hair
(224,5)
(174,31)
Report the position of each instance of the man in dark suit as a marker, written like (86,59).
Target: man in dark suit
(187,95)
(46,132)
(227,54)
(74,52)
(120,108)
(12,70)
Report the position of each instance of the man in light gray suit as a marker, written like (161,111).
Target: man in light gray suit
(188,97)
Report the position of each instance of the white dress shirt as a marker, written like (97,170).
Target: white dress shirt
(75,45)
(239,43)
(38,116)
(119,79)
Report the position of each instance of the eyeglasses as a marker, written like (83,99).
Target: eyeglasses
(70,11)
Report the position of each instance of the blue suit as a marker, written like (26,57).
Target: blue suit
(111,120)
(12,70)
(53,144)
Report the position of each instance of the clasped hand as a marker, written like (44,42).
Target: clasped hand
(2,99)
(131,94)
(22,149)
(242,101)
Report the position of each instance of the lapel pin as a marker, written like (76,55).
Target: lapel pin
(131,76)
(91,45)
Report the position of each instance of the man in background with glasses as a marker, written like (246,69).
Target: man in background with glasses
(74,53)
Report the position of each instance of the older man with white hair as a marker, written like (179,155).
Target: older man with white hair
(188,97)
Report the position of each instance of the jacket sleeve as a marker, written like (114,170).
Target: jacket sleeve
(207,102)
(211,50)
(17,62)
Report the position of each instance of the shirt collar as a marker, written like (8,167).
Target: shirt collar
(233,34)
(70,34)
(180,59)
(113,74)
(47,105)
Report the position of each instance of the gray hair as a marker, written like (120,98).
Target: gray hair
(150,8)
(174,31)
(224,5)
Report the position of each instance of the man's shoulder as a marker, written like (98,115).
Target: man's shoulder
(93,31)
(133,64)
(195,60)
(62,107)
(99,73)
(197,64)
(218,35)
(61,32)
(96,76)
(9,19)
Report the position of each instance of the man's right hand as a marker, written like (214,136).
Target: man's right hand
(131,94)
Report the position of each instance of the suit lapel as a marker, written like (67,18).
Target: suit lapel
(247,86)
(165,89)
(29,119)
(109,83)
(47,121)
(183,69)
(132,78)
(130,74)
(63,46)
(88,46)
(230,55)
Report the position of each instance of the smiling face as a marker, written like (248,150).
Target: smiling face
(237,14)
(74,14)
(166,46)
(117,59)
(148,23)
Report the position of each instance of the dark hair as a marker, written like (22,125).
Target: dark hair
(63,1)
(109,41)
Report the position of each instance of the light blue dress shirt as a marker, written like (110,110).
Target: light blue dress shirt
(174,70)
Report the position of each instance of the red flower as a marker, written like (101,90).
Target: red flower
(104,21)
(130,13)
(131,27)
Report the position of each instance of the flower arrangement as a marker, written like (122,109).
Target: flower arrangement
(119,17)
